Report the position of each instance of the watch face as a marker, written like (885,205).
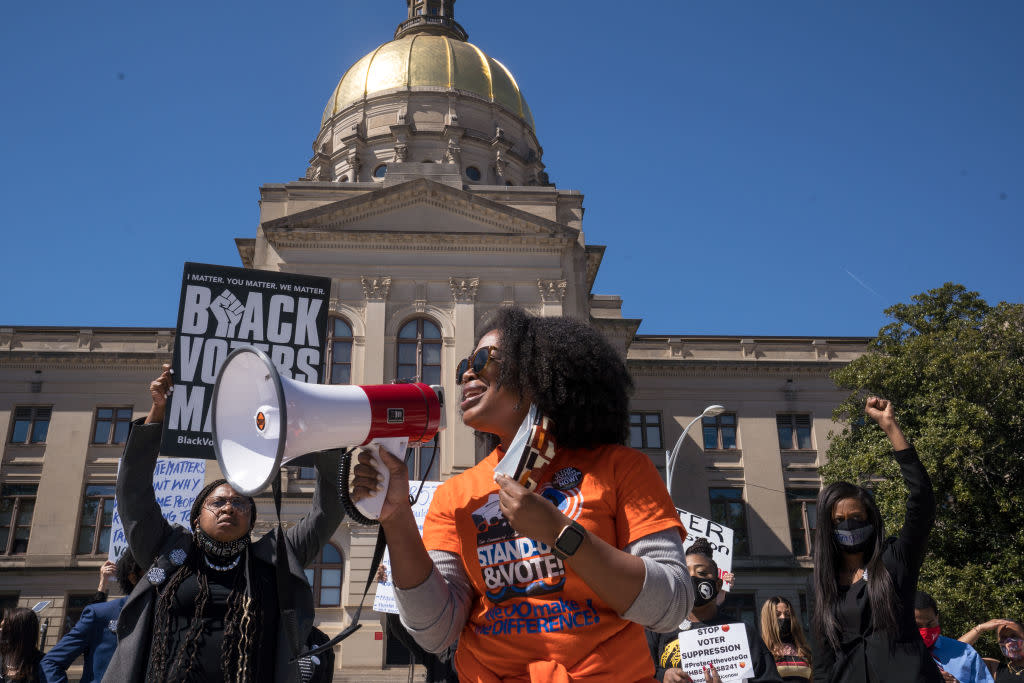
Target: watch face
(568,542)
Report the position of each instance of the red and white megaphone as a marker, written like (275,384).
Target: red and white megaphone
(262,421)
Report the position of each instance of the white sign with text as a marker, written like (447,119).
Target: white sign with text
(720,538)
(384,599)
(725,646)
(176,483)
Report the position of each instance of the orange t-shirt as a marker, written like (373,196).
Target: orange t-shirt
(532,617)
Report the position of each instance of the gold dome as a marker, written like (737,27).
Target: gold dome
(430,62)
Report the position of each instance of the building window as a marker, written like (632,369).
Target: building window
(473,173)
(419,352)
(112,425)
(728,508)
(324,577)
(340,352)
(97,515)
(77,602)
(380,171)
(645,430)
(794,432)
(803,513)
(741,607)
(8,601)
(30,424)
(17,501)
(419,360)
(719,431)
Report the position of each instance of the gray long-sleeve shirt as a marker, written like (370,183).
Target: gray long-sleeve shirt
(436,611)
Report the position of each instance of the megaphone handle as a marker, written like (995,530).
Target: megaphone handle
(371,505)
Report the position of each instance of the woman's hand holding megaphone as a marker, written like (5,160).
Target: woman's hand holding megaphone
(367,481)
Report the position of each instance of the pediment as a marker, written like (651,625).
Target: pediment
(418,207)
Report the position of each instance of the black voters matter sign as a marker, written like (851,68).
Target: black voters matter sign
(224,308)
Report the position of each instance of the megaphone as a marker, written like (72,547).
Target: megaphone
(262,421)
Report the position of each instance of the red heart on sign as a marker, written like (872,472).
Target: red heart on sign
(743,665)
(725,628)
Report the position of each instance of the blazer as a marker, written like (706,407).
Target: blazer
(162,548)
(94,635)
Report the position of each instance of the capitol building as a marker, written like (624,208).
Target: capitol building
(427,202)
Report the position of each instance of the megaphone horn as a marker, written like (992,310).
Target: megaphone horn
(262,421)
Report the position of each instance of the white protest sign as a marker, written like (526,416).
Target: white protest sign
(724,646)
(176,482)
(720,538)
(384,600)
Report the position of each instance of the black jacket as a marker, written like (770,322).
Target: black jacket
(154,543)
(881,658)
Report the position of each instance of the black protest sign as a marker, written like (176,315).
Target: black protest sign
(221,309)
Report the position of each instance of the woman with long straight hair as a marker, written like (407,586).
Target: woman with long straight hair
(865,584)
(784,637)
(19,656)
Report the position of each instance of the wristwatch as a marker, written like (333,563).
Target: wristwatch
(569,540)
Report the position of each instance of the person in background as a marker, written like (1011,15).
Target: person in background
(19,656)
(1011,643)
(864,583)
(957,660)
(784,637)
(95,632)
(107,572)
(664,647)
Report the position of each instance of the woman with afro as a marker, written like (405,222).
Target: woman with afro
(207,607)
(554,583)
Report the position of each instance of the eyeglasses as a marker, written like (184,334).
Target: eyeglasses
(215,504)
(478,361)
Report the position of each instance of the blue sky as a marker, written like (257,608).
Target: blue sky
(755,167)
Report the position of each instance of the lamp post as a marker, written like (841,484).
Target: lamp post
(670,457)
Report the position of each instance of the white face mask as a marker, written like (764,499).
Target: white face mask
(853,536)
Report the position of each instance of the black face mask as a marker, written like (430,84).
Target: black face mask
(854,536)
(704,590)
(785,627)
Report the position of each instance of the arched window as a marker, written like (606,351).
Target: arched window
(324,577)
(339,352)
(419,360)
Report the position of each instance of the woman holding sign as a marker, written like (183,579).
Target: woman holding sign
(208,607)
(865,583)
(552,583)
(675,653)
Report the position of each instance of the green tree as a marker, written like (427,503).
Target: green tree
(954,367)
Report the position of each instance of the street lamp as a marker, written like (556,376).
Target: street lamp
(670,458)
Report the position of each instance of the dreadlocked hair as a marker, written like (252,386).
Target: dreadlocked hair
(159,666)
(243,621)
(569,370)
(244,618)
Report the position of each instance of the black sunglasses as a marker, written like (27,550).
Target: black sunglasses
(479,360)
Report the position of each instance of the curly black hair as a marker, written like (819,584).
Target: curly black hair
(701,546)
(569,370)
